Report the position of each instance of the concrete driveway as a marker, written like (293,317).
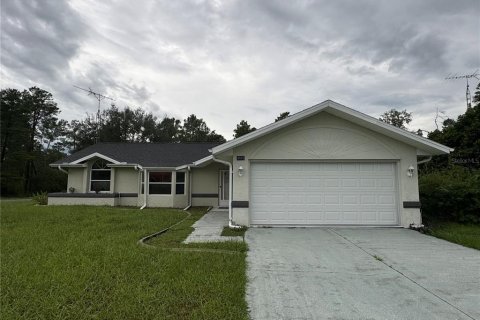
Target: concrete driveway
(359,273)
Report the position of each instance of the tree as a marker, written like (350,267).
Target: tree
(397,118)
(463,134)
(242,129)
(128,125)
(476,96)
(215,137)
(14,118)
(43,111)
(196,130)
(29,129)
(82,133)
(282,116)
(168,130)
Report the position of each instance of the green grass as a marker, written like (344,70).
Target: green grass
(229,232)
(467,235)
(80,262)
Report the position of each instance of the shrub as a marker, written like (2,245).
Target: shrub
(452,194)
(41,198)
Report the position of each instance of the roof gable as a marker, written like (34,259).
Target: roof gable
(422,144)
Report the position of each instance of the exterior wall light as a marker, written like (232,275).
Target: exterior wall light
(410,171)
(240,171)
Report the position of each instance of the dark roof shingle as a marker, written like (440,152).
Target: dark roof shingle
(147,154)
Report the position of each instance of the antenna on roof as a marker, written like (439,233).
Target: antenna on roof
(99,98)
(466,77)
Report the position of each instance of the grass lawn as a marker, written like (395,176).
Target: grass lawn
(229,232)
(80,262)
(467,235)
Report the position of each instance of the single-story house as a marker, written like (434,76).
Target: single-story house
(325,165)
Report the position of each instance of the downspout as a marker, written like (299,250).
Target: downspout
(144,189)
(139,167)
(424,160)
(189,204)
(420,162)
(230,190)
(61,169)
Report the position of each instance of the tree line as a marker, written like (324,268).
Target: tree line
(32,135)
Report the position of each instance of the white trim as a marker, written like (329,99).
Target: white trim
(122,165)
(205,160)
(96,154)
(67,165)
(411,137)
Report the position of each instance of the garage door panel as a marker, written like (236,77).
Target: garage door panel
(323,193)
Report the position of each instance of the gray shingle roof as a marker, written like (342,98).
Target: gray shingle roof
(147,154)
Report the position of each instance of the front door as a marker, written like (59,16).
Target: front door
(223,188)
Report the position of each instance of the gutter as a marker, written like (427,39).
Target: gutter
(230,193)
(424,160)
(61,169)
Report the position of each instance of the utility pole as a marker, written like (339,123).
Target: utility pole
(466,77)
(99,98)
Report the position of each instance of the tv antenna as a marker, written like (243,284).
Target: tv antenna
(466,77)
(99,98)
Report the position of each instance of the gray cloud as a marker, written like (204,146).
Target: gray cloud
(233,60)
(39,37)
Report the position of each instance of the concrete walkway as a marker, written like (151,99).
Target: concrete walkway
(209,228)
(359,273)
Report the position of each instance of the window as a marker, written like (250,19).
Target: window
(160,183)
(180,183)
(100,176)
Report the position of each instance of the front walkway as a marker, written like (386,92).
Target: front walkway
(209,228)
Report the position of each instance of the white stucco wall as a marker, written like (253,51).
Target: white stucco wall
(205,182)
(324,137)
(75,179)
(126,180)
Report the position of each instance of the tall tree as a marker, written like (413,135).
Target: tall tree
(29,128)
(476,96)
(82,133)
(282,116)
(242,129)
(43,111)
(167,130)
(196,130)
(396,118)
(14,118)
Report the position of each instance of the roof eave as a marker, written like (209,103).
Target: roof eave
(203,161)
(98,155)
(67,165)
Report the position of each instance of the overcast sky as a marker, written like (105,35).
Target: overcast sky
(231,60)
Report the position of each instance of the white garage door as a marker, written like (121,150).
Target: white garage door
(323,194)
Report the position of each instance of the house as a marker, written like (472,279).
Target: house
(325,165)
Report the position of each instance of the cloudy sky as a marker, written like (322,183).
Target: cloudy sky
(231,60)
